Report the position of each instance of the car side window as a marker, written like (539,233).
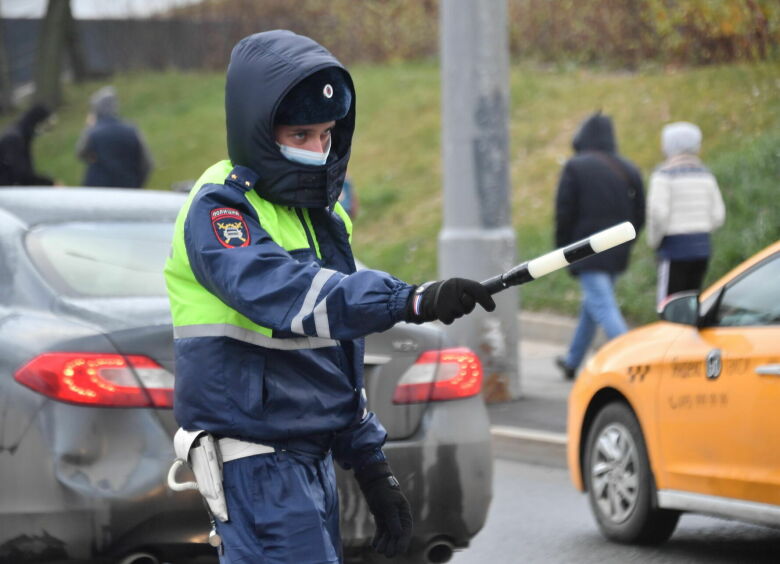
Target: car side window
(753,298)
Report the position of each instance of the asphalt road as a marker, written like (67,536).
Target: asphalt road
(537,516)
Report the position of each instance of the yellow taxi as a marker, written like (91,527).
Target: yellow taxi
(684,414)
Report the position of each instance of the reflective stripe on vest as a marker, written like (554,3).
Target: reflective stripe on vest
(197,312)
(251,337)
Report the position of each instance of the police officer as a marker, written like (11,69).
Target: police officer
(269,312)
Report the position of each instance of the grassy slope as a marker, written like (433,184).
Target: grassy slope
(180,115)
(396,160)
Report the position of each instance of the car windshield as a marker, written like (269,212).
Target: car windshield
(102,259)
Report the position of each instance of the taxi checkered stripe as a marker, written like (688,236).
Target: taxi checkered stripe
(637,372)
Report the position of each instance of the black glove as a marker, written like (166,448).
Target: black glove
(447,300)
(391,511)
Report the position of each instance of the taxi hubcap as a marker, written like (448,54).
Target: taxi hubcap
(614,467)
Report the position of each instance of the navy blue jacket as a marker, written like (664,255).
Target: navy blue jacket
(115,155)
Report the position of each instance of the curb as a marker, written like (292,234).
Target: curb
(534,446)
(545,326)
(553,327)
(529,445)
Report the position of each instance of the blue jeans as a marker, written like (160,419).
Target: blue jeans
(598,308)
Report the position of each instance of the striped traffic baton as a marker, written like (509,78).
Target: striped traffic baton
(559,258)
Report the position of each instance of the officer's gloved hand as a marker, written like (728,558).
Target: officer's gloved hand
(447,300)
(391,511)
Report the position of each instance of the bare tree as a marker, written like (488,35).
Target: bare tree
(78,60)
(6,97)
(58,35)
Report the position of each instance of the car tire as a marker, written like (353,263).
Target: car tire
(620,484)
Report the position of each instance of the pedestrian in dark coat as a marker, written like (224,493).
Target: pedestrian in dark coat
(597,189)
(16,162)
(115,152)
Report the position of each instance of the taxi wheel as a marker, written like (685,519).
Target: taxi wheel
(620,483)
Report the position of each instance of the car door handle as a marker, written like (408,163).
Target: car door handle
(768,370)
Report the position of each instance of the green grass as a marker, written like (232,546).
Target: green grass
(396,163)
(181,117)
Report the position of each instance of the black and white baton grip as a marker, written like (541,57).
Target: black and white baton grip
(560,258)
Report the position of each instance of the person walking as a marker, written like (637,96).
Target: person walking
(114,151)
(684,205)
(16,160)
(598,188)
(269,312)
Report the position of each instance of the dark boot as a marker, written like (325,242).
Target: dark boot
(568,372)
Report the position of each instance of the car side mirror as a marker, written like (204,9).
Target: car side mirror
(681,308)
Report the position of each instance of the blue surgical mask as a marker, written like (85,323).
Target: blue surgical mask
(303,156)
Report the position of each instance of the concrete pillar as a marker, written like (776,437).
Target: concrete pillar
(477,239)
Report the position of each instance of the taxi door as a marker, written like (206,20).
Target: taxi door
(719,403)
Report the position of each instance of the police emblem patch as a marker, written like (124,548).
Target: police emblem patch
(230,227)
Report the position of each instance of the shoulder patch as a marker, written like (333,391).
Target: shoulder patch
(230,227)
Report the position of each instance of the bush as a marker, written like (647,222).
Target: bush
(619,32)
(628,33)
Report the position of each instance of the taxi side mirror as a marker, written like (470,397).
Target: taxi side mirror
(681,308)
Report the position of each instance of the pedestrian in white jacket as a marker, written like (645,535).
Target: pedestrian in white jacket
(684,206)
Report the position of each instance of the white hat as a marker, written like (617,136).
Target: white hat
(680,137)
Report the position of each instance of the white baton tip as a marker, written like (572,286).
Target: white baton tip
(612,237)
(547,263)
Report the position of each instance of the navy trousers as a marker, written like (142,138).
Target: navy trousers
(283,508)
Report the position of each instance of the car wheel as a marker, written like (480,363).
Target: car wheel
(620,483)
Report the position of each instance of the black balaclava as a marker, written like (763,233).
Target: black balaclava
(263,69)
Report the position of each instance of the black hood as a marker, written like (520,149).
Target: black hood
(595,134)
(31,118)
(263,68)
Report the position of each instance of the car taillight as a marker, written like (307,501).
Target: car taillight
(99,380)
(441,375)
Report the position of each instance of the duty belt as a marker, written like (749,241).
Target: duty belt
(233,449)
